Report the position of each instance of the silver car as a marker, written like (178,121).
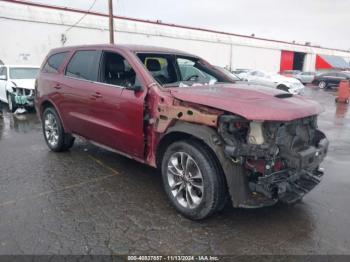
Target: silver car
(306,77)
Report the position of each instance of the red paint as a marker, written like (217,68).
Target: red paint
(287,60)
(115,117)
(251,102)
(321,63)
(67,9)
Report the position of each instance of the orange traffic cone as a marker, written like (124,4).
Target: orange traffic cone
(343,93)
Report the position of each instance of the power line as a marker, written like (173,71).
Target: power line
(81,18)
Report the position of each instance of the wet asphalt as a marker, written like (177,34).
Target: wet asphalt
(91,201)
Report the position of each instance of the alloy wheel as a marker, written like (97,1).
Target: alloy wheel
(185,180)
(322,84)
(51,129)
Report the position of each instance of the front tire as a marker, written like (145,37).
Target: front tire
(192,180)
(56,139)
(283,87)
(11,103)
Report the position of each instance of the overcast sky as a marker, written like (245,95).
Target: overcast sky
(321,22)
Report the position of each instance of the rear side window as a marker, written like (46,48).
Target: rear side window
(84,65)
(54,62)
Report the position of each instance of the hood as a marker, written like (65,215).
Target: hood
(249,101)
(24,83)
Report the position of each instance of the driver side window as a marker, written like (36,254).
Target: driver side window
(117,71)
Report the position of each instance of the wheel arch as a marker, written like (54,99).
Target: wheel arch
(48,103)
(200,135)
(186,131)
(283,87)
(236,183)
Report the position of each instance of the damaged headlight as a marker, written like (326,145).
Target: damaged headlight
(256,136)
(245,138)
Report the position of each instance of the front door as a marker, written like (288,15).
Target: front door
(122,120)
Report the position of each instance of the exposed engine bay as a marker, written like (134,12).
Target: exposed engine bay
(280,159)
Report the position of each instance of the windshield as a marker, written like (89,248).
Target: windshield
(170,70)
(228,73)
(23,73)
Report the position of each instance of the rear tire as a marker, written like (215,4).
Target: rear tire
(322,85)
(193,180)
(56,139)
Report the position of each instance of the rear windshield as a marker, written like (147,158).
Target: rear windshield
(23,73)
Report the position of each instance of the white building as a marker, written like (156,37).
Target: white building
(30,30)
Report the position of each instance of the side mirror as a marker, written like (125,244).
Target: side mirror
(135,88)
(3,77)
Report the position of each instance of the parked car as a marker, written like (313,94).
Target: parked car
(213,140)
(240,71)
(228,73)
(306,77)
(331,79)
(17,85)
(290,73)
(288,84)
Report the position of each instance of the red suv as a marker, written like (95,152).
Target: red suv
(213,140)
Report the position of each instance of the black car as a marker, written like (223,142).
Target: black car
(330,79)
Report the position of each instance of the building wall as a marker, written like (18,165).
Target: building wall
(256,58)
(31,31)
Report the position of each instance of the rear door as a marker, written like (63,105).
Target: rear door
(82,100)
(332,78)
(342,76)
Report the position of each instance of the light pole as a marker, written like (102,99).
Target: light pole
(111,25)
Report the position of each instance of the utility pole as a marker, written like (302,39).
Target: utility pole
(111,25)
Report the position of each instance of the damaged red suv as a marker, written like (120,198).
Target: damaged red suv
(214,140)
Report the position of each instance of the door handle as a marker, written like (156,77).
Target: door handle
(96,95)
(57,86)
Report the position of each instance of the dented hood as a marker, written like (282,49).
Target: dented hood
(249,101)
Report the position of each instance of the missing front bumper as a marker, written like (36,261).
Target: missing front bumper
(23,100)
(288,186)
